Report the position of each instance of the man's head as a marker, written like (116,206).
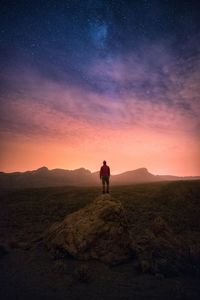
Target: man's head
(104,162)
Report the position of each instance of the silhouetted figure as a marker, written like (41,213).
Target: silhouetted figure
(104,176)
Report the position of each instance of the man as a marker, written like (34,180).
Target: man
(104,176)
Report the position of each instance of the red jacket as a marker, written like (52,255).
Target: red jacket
(105,171)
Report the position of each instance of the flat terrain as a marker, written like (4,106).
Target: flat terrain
(27,271)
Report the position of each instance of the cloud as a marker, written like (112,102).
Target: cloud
(78,126)
(137,92)
(151,89)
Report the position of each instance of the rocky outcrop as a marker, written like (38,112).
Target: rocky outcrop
(98,231)
(159,250)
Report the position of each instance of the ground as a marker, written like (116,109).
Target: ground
(27,271)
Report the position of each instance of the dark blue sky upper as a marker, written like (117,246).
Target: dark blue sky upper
(144,49)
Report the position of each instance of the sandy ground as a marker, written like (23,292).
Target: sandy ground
(32,274)
(28,271)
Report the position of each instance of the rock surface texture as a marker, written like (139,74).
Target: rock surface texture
(97,231)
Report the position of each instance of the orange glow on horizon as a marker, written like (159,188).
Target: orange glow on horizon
(123,150)
(86,128)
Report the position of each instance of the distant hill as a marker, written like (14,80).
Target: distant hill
(139,175)
(43,177)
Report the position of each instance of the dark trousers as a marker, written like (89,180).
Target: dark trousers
(105,181)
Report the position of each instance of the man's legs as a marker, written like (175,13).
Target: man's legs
(103,185)
(107,185)
(105,180)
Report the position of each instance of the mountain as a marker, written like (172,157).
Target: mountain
(43,177)
(139,175)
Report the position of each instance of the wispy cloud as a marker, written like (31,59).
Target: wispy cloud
(153,89)
(147,102)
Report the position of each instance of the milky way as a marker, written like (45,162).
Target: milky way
(83,81)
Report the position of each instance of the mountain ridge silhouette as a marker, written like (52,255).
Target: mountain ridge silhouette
(43,177)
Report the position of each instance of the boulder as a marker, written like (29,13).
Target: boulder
(159,250)
(97,231)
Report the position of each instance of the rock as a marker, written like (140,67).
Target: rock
(98,231)
(159,226)
(159,249)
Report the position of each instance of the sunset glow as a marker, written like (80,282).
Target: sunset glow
(71,106)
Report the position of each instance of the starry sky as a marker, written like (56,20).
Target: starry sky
(84,81)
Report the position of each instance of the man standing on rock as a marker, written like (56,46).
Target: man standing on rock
(105,176)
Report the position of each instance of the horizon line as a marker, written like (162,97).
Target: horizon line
(24,171)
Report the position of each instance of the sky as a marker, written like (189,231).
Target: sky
(84,81)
